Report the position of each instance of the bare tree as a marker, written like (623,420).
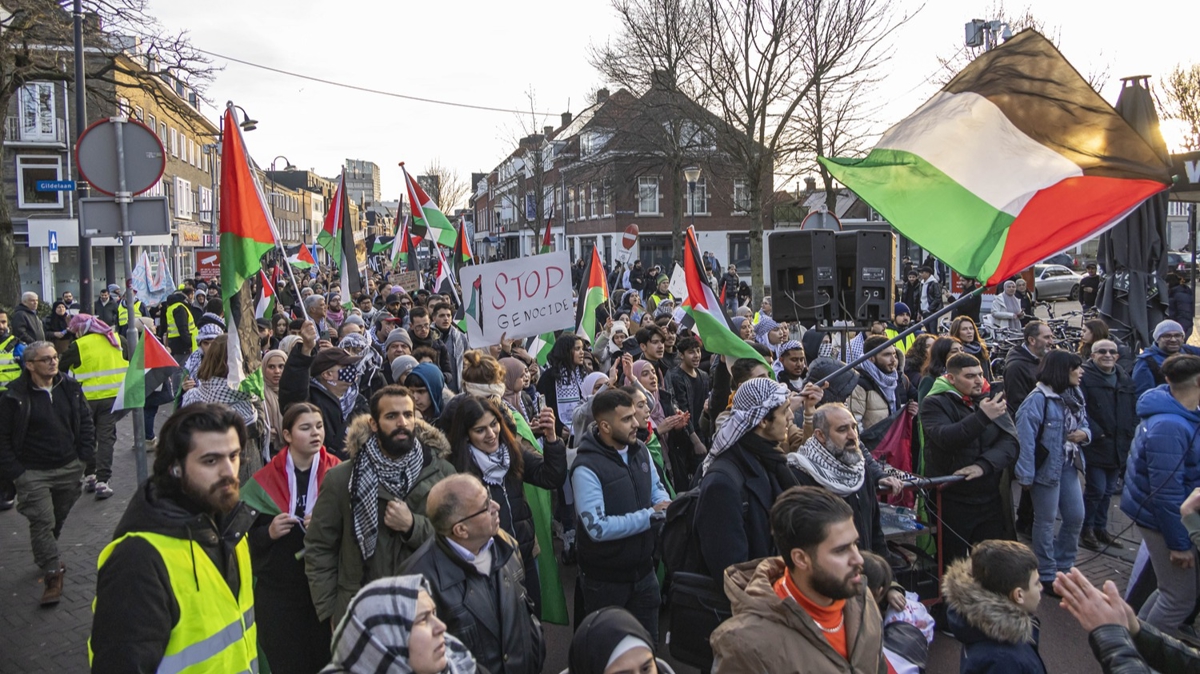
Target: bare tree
(452,188)
(1181,102)
(764,59)
(36,37)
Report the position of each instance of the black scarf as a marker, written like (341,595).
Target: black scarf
(773,461)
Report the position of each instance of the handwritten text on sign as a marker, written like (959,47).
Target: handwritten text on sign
(517,298)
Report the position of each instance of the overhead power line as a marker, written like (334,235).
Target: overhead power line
(368,90)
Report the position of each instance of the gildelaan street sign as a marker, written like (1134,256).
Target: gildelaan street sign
(55,186)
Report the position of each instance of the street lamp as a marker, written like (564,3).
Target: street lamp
(692,174)
(287,166)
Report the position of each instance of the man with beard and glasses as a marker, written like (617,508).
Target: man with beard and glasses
(832,458)
(370,514)
(808,610)
(174,589)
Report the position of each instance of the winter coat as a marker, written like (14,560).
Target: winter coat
(1119,652)
(492,616)
(435,342)
(786,640)
(1112,416)
(998,636)
(332,559)
(1003,318)
(1043,415)
(1020,377)
(729,285)
(1181,306)
(957,436)
(27,326)
(1147,370)
(15,408)
(296,386)
(932,292)
(456,345)
(135,608)
(1163,466)
(864,503)
(868,405)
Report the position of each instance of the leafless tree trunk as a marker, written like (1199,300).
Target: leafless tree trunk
(1181,102)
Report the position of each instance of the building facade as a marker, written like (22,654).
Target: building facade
(362,182)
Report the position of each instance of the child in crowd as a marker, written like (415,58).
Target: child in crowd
(907,631)
(992,598)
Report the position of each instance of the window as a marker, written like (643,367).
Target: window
(174,142)
(152,123)
(571,204)
(138,113)
(162,132)
(157,191)
(594,203)
(31,169)
(697,201)
(739,252)
(581,201)
(206,204)
(608,198)
(37,111)
(183,198)
(741,196)
(648,195)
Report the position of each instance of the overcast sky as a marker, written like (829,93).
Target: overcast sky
(493,53)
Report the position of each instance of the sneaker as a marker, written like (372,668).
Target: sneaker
(1089,540)
(89,483)
(151,444)
(53,582)
(103,491)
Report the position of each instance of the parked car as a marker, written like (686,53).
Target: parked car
(1055,281)
(1180,262)
(1064,259)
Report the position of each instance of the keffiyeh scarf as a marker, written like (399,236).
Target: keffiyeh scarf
(83,324)
(568,388)
(494,466)
(216,390)
(829,471)
(373,469)
(752,402)
(886,381)
(762,333)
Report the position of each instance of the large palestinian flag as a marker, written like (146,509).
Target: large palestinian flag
(1016,159)
(150,367)
(270,490)
(593,291)
(427,219)
(709,317)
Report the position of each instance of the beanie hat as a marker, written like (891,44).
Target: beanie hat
(397,335)
(1166,327)
(901,308)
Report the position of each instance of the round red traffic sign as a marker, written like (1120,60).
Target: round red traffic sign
(96,155)
(630,237)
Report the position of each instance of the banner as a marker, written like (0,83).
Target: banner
(517,298)
(409,280)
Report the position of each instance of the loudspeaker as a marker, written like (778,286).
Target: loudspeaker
(865,263)
(803,276)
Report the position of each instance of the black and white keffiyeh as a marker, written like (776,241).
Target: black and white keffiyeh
(494,466)
(372,469)
(568,388)
(829,471)
(752,403)
(216,390)
(374,634)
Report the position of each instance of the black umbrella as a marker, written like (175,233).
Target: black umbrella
(1134,252)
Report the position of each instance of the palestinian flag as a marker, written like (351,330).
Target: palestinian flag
(592,292)
(444,283)
(398,241)
(266,298)
(267,491)
(408,250)
(548,237)
(246,234)
(1016,159)
(345,258)
(150,366)
(462,249)
(539,347)
(709,317)
(428,220)
(303,259)
(339,212)
(382,245)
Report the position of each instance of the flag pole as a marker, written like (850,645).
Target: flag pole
(283,252)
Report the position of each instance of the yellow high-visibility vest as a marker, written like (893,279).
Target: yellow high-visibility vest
(10,369)
(101,367)
(173,330)
(216,633)
(123,314)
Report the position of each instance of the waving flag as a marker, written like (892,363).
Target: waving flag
(593,291)
(548,237)
(246,235)
(462,255)
(428,219)
(266,297)
(344,250)
(408,250)
(302,259)
(330,236)
(150,367)
(702,306)
(539,347)
(1016,159)
(399,242)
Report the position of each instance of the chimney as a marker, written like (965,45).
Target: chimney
(547,130)
(810,184)
(601,94)
(566,118)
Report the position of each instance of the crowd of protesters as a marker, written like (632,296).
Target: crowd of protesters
(417,498)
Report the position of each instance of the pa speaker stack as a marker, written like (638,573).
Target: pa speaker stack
(819,276)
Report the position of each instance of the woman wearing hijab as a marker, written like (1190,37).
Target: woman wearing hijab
(484,443)
(426,383)
(272,369)
(56,326)
(1006,309)
(212,386)
(516,380)
(562,382)
(283,492)
(370,367)
(612,641)
(392,626)
(609,346)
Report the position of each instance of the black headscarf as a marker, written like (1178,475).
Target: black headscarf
(598,635)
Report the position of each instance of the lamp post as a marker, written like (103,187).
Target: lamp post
(287,166)
(214,150)
(692,174)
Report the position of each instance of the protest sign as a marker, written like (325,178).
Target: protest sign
(409,280)
(517,298)
(678,287)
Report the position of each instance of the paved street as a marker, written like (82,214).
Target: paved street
(35,640)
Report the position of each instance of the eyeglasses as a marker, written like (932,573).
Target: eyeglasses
(1105,352)
(46,359)
(1173,336)
(487,508)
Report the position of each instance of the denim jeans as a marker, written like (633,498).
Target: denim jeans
(1065,500)
(1097,496)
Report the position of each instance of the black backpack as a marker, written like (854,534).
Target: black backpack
(678,546)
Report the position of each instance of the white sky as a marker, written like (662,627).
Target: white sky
(492,53)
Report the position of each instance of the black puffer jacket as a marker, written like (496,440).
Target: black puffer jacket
(135,607)
(957,436)
(1020,376)
(1118,652)
(1112,416)
(296,386)
(492,616)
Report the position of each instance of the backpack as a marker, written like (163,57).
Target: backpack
(678,546)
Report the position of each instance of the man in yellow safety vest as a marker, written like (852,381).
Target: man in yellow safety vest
(96,359)
(174,590)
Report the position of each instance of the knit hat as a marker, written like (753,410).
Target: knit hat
(900,309)
(841,386)
(661,278)
(402,366)
(397,335)
(114,289)
(1166,327)
(208,331)
(355,319)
